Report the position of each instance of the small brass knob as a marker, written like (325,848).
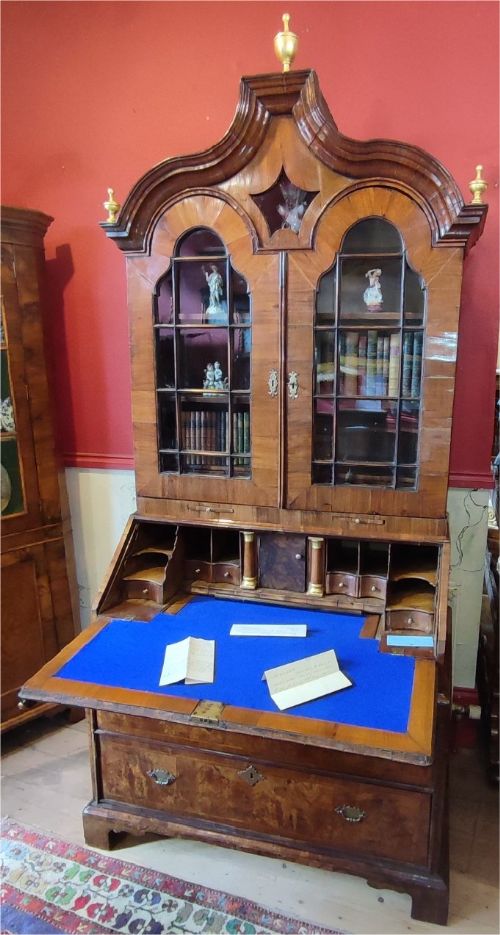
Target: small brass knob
(341,584)
(410,620)
(227,574)
(374,588)
(298,556)
(197,571)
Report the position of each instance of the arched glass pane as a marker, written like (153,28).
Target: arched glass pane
(373,235)
(200,242)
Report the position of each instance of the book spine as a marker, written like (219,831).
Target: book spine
(371,363)
(362,350)
(351,364)
(386,359)
(341,354)
(394,356)
(407,362)
(246,432)
(416,365)
(379,379)
(197,434)
(203,431)
(241,445)
(235,436)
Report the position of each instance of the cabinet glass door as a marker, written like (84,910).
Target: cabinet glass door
(368,335)
(356,424)
(206,339)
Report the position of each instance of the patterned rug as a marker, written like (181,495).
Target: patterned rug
(50,886)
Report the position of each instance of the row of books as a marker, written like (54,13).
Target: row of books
(208,430)
(370,363)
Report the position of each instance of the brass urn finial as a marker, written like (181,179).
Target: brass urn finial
(111,206)
(478,186)
(285,44)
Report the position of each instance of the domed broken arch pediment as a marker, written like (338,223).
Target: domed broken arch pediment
(297,95)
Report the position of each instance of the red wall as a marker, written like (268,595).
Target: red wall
(94,94)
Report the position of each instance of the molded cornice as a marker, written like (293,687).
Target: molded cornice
(23,226)
(298,94)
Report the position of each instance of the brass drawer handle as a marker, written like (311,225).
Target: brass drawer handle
(350,813)
(162,777)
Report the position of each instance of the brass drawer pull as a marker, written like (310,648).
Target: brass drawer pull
(250,775)
(162,777)
(350,813)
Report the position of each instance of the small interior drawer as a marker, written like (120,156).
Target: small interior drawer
(342,583)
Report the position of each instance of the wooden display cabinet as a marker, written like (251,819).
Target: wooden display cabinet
(294,299)
(37,619)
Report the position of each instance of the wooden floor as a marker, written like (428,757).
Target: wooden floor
(45,783)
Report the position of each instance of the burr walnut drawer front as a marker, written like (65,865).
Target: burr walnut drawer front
(226,572)
(266,799)
(372,586)
(410,620)
(342,583)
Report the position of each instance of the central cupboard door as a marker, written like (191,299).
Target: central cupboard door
(205,313)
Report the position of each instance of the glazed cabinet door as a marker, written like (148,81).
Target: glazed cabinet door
(372,320)
(21,500)
(205,344)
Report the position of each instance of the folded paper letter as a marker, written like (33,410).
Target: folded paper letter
(191,660)
(268,629)
(306,679)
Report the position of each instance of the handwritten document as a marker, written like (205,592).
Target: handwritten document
(268,629)
(190,661)
(306,679)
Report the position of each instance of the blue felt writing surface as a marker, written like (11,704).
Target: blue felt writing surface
(129,654)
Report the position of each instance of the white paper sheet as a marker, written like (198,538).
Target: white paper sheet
(306,679)
(268,629)
(191,660)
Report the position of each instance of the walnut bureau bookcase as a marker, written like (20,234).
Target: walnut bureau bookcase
(294,300)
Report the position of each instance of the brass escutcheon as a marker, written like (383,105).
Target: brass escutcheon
(162,777)
(251,775)
(350,813)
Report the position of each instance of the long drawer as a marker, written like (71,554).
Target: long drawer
(312,808)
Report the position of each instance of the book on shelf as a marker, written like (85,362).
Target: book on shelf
(351,364)
(407,363)
(416,364)
(394,357)
(371,363)
(386,354)
(241,435)
(362,352)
